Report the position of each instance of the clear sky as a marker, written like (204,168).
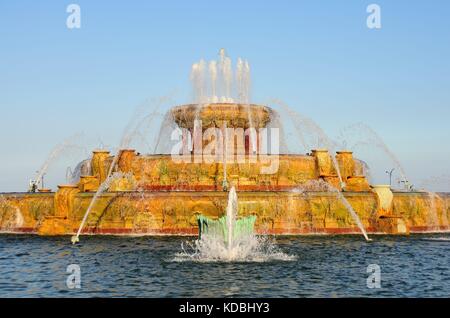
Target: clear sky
(317,56)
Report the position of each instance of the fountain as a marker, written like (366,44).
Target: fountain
(205,155)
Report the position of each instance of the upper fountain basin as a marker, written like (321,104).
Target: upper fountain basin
(215,115)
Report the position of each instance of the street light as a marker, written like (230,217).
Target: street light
(390,176)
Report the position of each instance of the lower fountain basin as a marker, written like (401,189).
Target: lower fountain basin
(176,212)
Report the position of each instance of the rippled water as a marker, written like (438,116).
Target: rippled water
(324,266)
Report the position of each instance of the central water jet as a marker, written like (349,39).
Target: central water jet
(229,228)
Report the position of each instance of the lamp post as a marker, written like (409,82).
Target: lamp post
(390,176)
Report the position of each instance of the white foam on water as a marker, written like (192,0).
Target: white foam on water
(247,249)
(445,239)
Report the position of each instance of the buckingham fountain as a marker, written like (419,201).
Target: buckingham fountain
(223,147)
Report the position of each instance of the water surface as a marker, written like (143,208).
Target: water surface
(324,266)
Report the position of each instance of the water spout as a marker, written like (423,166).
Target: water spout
(216,81)
(231,216)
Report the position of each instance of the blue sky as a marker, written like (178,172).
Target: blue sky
(317,56)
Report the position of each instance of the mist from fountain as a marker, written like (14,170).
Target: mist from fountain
(130,132)
(70,143)
(303,125)
(168,125)
(370,138)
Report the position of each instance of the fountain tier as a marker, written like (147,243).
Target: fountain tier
(218,114)
(153,194)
